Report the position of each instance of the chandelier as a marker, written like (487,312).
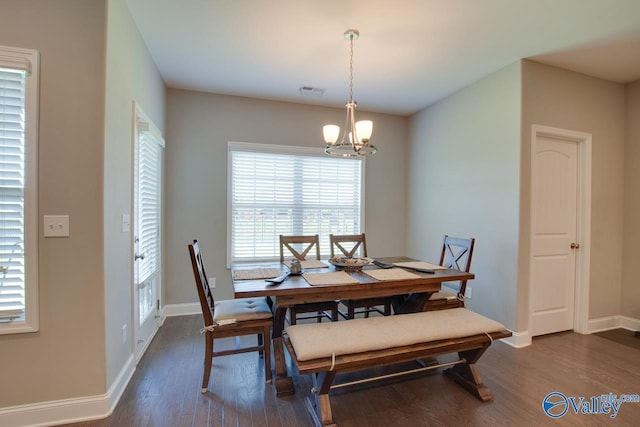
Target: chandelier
(355,139)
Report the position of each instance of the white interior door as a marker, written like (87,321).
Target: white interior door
(147,232)
(553,240)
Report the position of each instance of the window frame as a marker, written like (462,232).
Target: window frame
(27,60)
(284,150)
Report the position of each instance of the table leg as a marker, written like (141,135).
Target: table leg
(412,304)
(283,383)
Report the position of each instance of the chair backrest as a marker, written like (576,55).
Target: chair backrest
(456,254)
(299,246)
(202,283)
(348,244)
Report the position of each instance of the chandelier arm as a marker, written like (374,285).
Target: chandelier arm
(347,121)
(352,126)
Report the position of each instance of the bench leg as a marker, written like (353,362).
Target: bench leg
(468,376)
(320,406)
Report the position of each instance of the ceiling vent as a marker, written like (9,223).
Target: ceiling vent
(311,91)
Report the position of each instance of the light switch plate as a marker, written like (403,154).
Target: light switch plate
(56,226)
(125,223)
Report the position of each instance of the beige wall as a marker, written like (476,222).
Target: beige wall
(498,213)
(131,76)
(573,101)
(464,156)
(630,281)
(199,125)
(82,134)
(65,359)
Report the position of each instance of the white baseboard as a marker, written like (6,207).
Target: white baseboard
(518,339)
(120,383)
(613,322)
(182,309)
(69,410)
(56,412)
(629,323)
(523,339)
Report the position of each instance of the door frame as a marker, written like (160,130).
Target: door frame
(583,220)
(141,121)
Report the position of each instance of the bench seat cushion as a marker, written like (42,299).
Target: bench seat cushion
(321,340)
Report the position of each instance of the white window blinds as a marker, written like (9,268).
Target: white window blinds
(18,190)
(148,206)
(287,190)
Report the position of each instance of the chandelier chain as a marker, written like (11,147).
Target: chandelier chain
(351,70)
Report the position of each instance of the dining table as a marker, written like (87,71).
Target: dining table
(411,291)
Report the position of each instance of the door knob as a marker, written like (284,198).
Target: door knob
(575,245)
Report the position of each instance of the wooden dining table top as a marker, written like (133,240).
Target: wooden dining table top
(295,289)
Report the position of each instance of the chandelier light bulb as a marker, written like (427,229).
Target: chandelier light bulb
(331,133)
(364,128)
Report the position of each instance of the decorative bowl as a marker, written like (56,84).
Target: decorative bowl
(348,264)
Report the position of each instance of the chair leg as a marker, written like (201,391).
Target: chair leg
(366,312)
(267,353)
(292,316)
(260,341)
(387,309)
(351,313)
(334,314)
(208,361)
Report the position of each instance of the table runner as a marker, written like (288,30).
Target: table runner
(256,273)
(336,278)
(383,274)
(312,263)
(419,264)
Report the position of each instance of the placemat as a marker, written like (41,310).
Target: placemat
(336,278)
(383,274)
(419,264)
(256,273)
(313,263)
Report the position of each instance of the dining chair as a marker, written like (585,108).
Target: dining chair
(456,254)
(350,246)
(299,247)
(230,318)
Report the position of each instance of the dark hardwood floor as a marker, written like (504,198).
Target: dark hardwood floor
(165,389)
(622,336)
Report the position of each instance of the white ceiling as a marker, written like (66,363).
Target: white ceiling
(410,54)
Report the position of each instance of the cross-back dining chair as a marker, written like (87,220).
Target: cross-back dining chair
(354,245)
(230,318)
(456,254)
(299,247)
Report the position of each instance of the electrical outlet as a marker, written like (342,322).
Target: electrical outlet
(212,282)
(469,292)
(124,333)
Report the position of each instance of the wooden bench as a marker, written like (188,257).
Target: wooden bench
(328,349)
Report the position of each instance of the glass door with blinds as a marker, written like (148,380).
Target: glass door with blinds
(147,229)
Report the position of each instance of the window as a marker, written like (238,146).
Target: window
(277,190)
(18,191)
